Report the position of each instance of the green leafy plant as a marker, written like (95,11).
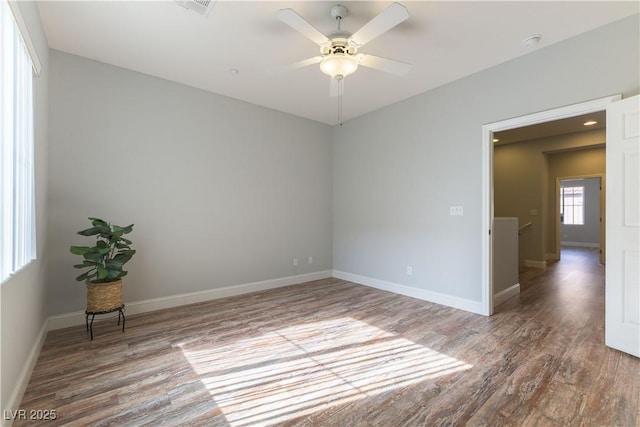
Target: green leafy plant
(110,253)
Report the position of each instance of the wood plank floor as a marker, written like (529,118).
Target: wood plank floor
(333,353)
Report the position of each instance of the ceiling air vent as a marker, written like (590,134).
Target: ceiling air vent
(203,7)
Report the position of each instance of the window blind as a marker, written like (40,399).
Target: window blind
(17,197)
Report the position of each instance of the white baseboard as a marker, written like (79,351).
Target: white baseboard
(535,264)
(13,403)
(435,297)
(553,257)
(502,296)
(78,317)
(581,244)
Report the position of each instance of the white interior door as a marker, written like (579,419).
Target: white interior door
(622,277)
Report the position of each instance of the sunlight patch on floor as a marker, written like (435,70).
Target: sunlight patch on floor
(292,372)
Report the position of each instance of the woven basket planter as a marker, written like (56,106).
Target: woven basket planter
(104,296)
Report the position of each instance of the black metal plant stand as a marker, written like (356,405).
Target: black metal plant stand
(87,313)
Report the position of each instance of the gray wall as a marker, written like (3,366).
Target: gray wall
(22,296)
(221,192)
(505,253)
(397,170)
(588,233)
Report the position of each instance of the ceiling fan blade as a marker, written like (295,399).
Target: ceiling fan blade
(296,65)
(387,19)
(297,22)
(384,64)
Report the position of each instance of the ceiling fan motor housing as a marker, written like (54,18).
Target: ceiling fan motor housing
(338,46)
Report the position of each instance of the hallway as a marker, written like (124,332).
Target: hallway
(569,297)
(570,290)
(577,264)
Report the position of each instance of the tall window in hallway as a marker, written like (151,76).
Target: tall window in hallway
(572,205)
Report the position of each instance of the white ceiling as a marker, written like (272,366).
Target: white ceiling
(444,40)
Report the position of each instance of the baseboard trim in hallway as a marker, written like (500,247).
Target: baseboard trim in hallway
(502,296)
(535,264)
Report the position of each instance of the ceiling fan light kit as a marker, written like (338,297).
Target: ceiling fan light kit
(339,66)
(338,59)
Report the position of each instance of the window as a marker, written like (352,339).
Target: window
(572,205)
(17,199)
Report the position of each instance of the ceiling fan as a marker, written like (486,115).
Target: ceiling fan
(339,55)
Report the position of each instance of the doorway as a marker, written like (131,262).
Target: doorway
(580,211)
(487,177)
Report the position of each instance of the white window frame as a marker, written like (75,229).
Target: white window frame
(573,206)
(18,64)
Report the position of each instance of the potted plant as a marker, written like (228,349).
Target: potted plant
(104,262)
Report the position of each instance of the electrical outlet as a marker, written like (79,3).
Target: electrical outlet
(295,262)
(409,270)
(310,260)
(456,211)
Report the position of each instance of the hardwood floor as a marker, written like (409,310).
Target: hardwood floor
(333,353)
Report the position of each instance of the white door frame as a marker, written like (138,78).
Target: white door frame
(487,176)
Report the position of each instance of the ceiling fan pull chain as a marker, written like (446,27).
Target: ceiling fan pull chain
(340,93)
